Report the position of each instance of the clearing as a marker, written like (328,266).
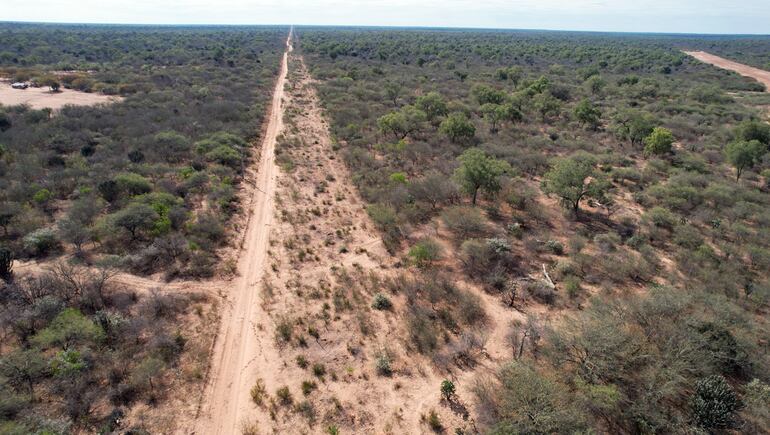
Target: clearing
(757,74)
(41,98)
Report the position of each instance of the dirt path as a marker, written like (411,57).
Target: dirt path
(757,74)
(225,403)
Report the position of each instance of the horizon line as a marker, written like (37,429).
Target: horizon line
(377,26)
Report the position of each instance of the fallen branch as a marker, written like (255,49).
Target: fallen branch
(548,278)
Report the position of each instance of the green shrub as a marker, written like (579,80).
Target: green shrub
(284,396)
(425,252)
(381,302)
(714,403)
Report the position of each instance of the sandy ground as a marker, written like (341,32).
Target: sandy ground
(757,74)
(225,401)
(40,98)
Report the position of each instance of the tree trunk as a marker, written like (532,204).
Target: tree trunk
(475,194)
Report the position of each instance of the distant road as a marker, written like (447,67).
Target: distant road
(757,74)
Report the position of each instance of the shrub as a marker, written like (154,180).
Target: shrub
(381,302)
(447,389)
(319,370)
(434,421)
(464,221)
(308,387)
(715,403)
(659,142)
(425,252)
(40,242)
(284,396)
(258,392)
(382,364)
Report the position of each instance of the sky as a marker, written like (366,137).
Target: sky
(675,16)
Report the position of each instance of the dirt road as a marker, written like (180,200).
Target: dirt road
(226,404)
(757,74)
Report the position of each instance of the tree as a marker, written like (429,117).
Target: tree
(433,105)
(546,105)
(480,171)
(485,94)
(68,328)
(135,218)
(457,127)
(715,403)
(52,82)
(574,178)
(74,232)
(659,142)
(587,114)
(527,402)
(744,154)
(434,188)
(403,122)
(6,263)
(633,126)
(392,92)
(753,130)
(497,113)
(22,368)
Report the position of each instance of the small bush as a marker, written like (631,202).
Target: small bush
(308,387)
(284,396)
(258,392)
(435,422)
(319,370)
(382,364)
(381,302)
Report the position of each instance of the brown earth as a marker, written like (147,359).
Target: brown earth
(757,74)
(41,98)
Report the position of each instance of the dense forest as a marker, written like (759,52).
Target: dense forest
(144,185)
(609,187)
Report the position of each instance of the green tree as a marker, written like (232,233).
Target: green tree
(744,155)
(68,328)
(480,171)
(403,122)
(714,403)
(433,105)
(546,105)
(136,218)
(587,114)
(753,130)
(633,126)
(498,113)
(659,142)
(485,94)
(457,127)
(574,178)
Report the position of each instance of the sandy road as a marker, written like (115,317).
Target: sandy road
(225,404)
(757,74)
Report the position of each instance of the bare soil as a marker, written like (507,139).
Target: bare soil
(757,74)
(41,98)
